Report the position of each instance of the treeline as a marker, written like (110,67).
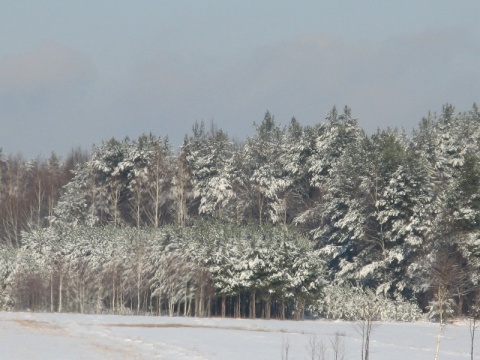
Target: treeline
(394,213)
(204,270)
(29,191)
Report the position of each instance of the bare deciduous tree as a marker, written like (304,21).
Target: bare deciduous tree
(474,317)
(338,346)
(285,348)
(366,325)
(316,349)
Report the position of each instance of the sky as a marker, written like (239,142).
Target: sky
(74,73)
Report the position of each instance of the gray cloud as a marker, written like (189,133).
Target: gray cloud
(49,68)
(392,83)
(43,96)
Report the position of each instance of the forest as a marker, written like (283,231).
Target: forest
(322,220)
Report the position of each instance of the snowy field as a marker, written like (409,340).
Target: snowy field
(74,336)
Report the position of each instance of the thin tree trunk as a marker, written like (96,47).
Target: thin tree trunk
(437,347)
(200,303)
(237,307)
(268,306)
(185,301)
(473,328)
(99,300)
(252,305)
(82,296)
(113,291)
(51,290)
(440,294)
(170,307)
(156,205)
(189,305)
(139,280)
(224,307)
(60,286)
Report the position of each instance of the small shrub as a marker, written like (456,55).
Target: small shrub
(343,302)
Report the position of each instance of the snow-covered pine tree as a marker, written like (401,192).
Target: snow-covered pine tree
(265,173)
(210,158)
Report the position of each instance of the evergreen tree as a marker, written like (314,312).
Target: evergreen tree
(265,173)
(210,158)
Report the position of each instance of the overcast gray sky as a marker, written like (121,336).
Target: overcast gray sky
(74,73)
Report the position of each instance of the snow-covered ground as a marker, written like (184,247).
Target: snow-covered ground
(74,336)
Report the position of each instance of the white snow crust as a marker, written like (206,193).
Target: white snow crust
(74,336)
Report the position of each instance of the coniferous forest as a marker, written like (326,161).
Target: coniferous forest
(298,220)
